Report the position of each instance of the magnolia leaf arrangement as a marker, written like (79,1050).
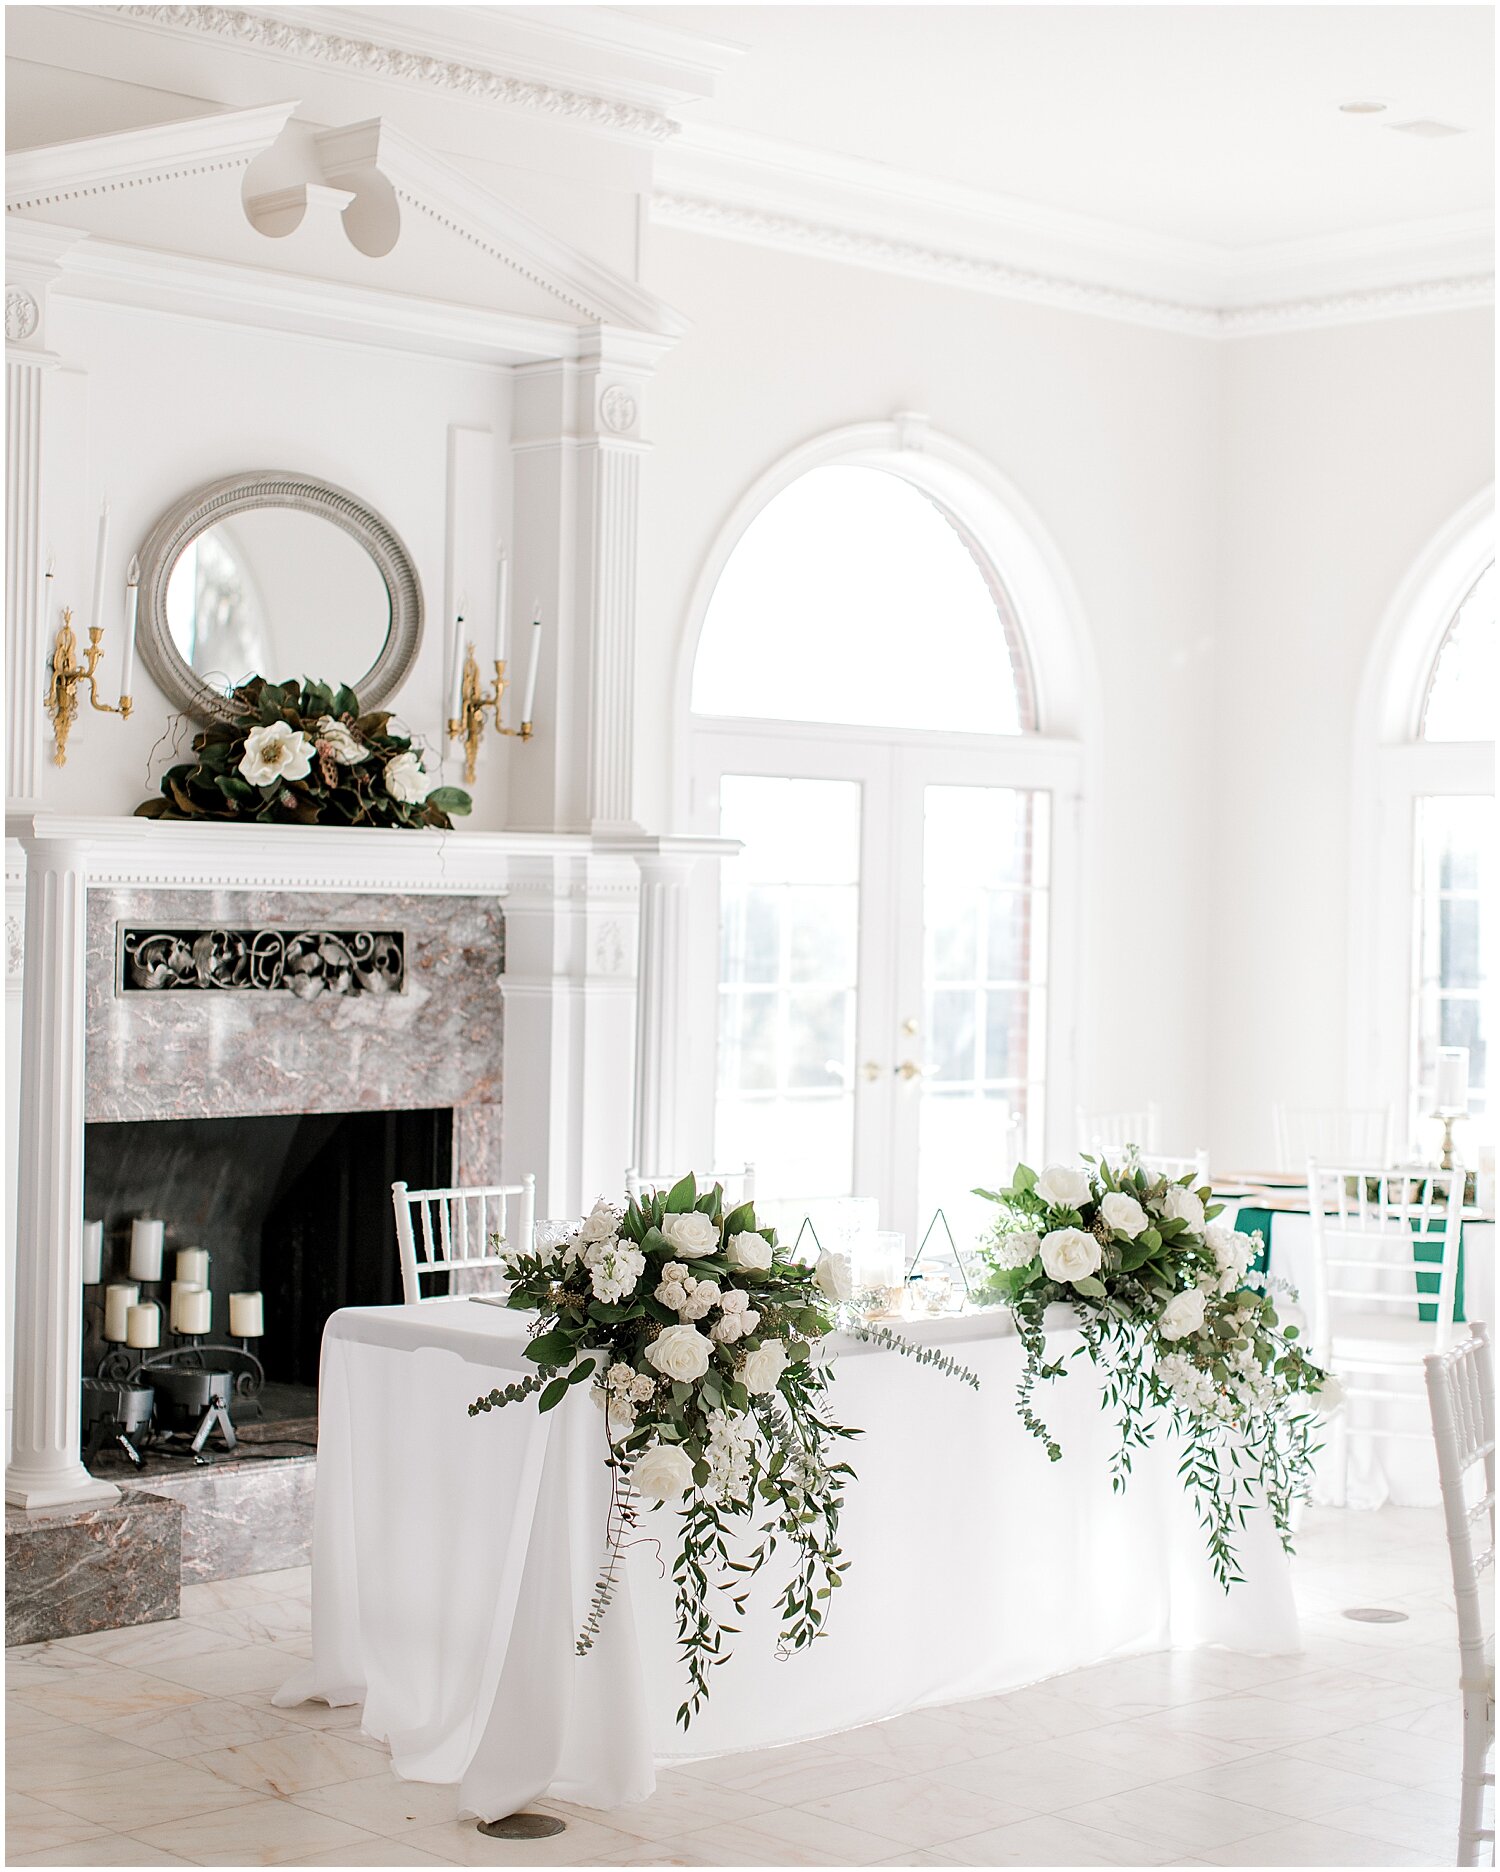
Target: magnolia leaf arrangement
(1170,1312)
(698,1334)
(303,754)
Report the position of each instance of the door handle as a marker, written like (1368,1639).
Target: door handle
(871,1070)
(909,1069)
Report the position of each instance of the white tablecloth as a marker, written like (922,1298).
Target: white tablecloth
(453,1558)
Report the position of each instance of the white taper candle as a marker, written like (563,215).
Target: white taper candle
(456,665)
(1452,1079)
(99,556)
(132,602)
(502,604)
(535,664)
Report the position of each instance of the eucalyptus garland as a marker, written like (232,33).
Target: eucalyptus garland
(1170,1312)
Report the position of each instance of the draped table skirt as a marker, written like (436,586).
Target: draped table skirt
(454,1557)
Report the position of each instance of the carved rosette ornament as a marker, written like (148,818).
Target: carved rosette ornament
(306,963)
(617,409)
(21,314)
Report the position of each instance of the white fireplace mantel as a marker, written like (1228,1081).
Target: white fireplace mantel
(585,960)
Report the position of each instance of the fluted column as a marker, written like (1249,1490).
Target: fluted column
(45,1467)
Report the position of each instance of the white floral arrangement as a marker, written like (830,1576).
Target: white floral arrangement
(1169,1307)
(699,1335)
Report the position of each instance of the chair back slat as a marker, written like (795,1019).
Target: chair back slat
(1174,1169)
(1383,1239)
(1362,1134)
(456,1231)
(1108,1133)
(1460,1391)
(640,1182)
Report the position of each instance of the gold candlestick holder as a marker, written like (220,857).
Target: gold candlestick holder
(64,678)
(474,705)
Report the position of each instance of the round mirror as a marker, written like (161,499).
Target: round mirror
(271,575)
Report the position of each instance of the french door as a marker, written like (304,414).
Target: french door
(885,1002)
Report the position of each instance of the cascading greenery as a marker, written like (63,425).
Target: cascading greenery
(1169,1311)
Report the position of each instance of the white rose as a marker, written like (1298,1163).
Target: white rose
(601,1224)
(340,741)
(835,1276)
(406,778)
(664,1471)
(1070,1255)
(619,1410)
(276,751)
(1016,1251)
(680,1353)
(763,1367)
(1063,1188)
(727,1330)
(1183,1206)
(1183,1314)
(1124,1214)
(693,1235)
(749,1251)
(673,1294)
(1330,1394)
(702,1298)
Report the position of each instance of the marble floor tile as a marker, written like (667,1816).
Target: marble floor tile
(21,1719)
(1039,1714)
(919,1812)
(1390,1755)
(1046,1840)
(204,1596)
(1414,1817)
(112,1849)
(291,1763)
(105,1691)
(1286,1784)
(129,1801)
(1047,1776)
(1254,1719)
(287,1583)
(145,1646)
(37,1826)
(70,1753)
(825,1841)
(686,1851)
(681,1806)
(787,1775)
(27,1666)
(263,1832)
(303,1715)
(1176,1820)
(251,1667)
(1305,1843)
(920,1856)
(198,1728)
(384,1803)
(269,1621)
(920,1742)
(379,1852)
(583,1844)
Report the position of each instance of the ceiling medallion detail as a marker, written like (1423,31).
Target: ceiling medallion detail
(372,60)
(21,314)
(618,409)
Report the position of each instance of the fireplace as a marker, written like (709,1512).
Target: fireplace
(295,1206)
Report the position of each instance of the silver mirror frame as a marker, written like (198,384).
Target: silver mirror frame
(221,500)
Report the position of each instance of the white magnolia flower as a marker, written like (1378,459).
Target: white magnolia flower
(763,1367)
(1017,1250)
(1064,1188)
(693,1235)
(664,1472)
(1330,1394)
(835,1275)
(1183,1314)
(405,778)
(276,751)
(749,1251)
(680,1353)
(1070,1255)
(601,1224)
(1124,1214)
(1183,1206)
(340,742)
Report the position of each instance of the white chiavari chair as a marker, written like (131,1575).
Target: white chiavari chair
(1385,1251)
(739,1183)
(1461,1393)
(1108,1134)
(1357,1134)
(446,1231)
(1174,1169)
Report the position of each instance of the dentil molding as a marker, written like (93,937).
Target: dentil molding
(367,58)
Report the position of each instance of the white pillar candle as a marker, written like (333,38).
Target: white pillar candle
(1452,1079)
(192,1267)
(247,1319)
(98,613)
(93,1253)
(118,1300)
(143,1327)
(145,1249)
(536,658)
(132,601)
(179,1288)
(502,604)
(194,1310)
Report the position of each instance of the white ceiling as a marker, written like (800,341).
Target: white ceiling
(1210,124)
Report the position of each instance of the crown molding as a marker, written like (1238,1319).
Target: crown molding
(57,173)
(309,35)
(1462,294)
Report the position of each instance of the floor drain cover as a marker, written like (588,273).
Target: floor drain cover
(523,1826)
(1376,1615)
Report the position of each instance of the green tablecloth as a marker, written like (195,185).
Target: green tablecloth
(1250,1220)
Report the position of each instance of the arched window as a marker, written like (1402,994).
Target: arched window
(866,721)
(1455,859)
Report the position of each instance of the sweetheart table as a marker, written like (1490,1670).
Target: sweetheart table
(453,1558)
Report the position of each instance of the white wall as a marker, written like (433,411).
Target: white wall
(1343,452)
(1109,432)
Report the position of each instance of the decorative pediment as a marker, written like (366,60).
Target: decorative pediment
(354,206)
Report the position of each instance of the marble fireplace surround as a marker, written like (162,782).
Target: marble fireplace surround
(595,1035)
